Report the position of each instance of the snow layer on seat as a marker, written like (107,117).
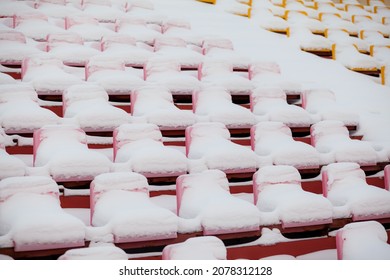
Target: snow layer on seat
(363,241)
(347,189)
(10,166)
(138,29)
(271,105)
(176,50)
(112,75)
(63,151)
(96,252)
(215,103)
(48,76)
(120,201)
(274,140)
(334,21)
(87,27)
(14,47)
(205,197)
(141,147)
(220,73)
(20,111)
(342,37)
(32,218)
(88,103)
(155,103)
(322,104)
(181,29)
(281,199)
(210,143)
(167,73)
(196,248)
(332,138)
(309,41)
(351,58)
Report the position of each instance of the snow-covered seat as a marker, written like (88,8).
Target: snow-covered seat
(331,138)
(270,104)
(205,198)
(274,140)
(366,23)
(118,80)
(196,248)
(181,29)
(6,78)
(267,20)
(310,42)
(222,49)
(124,47)
(58,9)
(155,105)
(88,104)
(279,196)
(10,165)
(322,105)
(31,216)
(62,150)
(220,73)
(381,54)
(215,104)
(120,203)
(167,72)
(373,37)
(138,29)
(208,144)
(103,10)
(342,37)
(20,112)
(301,18)
(344,184)
(176,50)
(141,147)
(23,22)
(64,46)
(99,251)
(335,21)
(87,27)
(48,76)
(362,241)
(14,47)
(268,74)
(9,8)
(349,56)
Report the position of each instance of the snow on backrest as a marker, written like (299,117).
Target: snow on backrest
(326,128)
(28,184)
(196,248)
(127,133)
(3,138)
(209,44)
(349,240)
(214,67)
(263,129)
(263,67)
(72,38)
(96,2)
(58,2)
(108,41)
(98,64)
(127,181)
(19,18)
(387,177)
(160,66)
(159,43)
(272,175)
(208,95)
(339,171)
(205,180)
(129,21)
(35,62)
(83,92)
(316,97)
(14,92)
(145,4)
(267,93)
(13,36)
(172,23)
(78,20)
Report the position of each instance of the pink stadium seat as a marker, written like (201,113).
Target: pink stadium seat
(139,29)
(281,200)
(32,217)
(10,166)
(344,184)
(181,29)
(62,150)
(141,147)
(205,196)
(87,27)
(387,177)
(120,200)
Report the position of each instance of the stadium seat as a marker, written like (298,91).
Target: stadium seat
(140,148)
(87,27)
(181,29)
(101,251)
(10,166)
(205,199)
(281,200)
(32,218)
(344,184)
(62,152)
(139,29)
(120,200)
(342,37)
(273,142)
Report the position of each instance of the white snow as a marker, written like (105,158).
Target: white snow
(98,251)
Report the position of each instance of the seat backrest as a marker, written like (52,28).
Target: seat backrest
(263,67)
(108,41)
(387,177)
(95,65)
